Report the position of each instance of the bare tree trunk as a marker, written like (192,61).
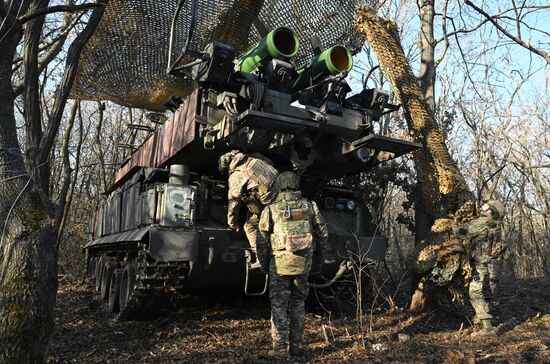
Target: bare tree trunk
(39,170)
(427,51)
(28,254)
(99,146)
(67,172)
(75,179)
(422,216)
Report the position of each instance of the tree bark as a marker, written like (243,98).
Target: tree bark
(67,172)
(28,254)
(39,170)
(427,51)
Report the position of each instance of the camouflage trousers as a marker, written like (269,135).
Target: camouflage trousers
(494,274)
(287,295)
(251,229)
(477,284)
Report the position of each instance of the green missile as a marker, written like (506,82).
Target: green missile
(332,61)
(281,43)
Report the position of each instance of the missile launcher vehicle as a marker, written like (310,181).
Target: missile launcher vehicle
(162,228)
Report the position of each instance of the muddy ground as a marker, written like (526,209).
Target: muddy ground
(227,327)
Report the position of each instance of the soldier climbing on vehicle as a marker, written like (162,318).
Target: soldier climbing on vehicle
(291,246)
(251,181)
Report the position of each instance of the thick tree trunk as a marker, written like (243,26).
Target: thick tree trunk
(40,170)
(441,187)
(27,250)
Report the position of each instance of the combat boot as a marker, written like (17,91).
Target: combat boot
(487,330)
(251,260)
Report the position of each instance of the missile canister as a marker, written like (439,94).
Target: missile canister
(332,61)
(281,43)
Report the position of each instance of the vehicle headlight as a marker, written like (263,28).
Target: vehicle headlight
(350,205)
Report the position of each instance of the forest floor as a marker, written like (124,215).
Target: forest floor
(232,328)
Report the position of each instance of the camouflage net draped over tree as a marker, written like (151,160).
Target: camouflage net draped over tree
(442,259)
(125,61)
(441,183)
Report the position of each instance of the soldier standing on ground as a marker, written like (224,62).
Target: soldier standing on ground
(291,245)
(252,182)
(482,248)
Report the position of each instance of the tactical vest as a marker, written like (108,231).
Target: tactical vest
(264,174)
(292,239)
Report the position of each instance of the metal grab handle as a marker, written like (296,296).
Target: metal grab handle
(246,284)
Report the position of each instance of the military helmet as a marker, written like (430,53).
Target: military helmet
(225,160)
(496,207)
(287,181)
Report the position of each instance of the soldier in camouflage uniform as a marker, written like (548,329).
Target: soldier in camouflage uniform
(481,233)
(495,264)
(252,181)
(291,245)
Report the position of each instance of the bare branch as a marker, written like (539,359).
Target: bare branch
(62,93)
(58,8)
(526,45)
(52,49)
(445,36)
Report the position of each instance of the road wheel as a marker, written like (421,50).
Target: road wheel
(108,269)
(98,272)
(127,285)
(114,290)
(91,267)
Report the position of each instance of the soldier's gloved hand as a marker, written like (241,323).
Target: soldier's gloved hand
(498,250)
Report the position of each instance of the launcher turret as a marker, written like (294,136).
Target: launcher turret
(301,118)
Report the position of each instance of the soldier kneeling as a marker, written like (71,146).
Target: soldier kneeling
(288,252)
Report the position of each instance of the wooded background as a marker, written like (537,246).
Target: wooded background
(482,67)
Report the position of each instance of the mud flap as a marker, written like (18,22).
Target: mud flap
(173,245)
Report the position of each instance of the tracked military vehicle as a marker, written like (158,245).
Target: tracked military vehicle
(162,228)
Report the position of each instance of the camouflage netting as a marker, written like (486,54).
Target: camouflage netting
(443,259)
(125,61)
